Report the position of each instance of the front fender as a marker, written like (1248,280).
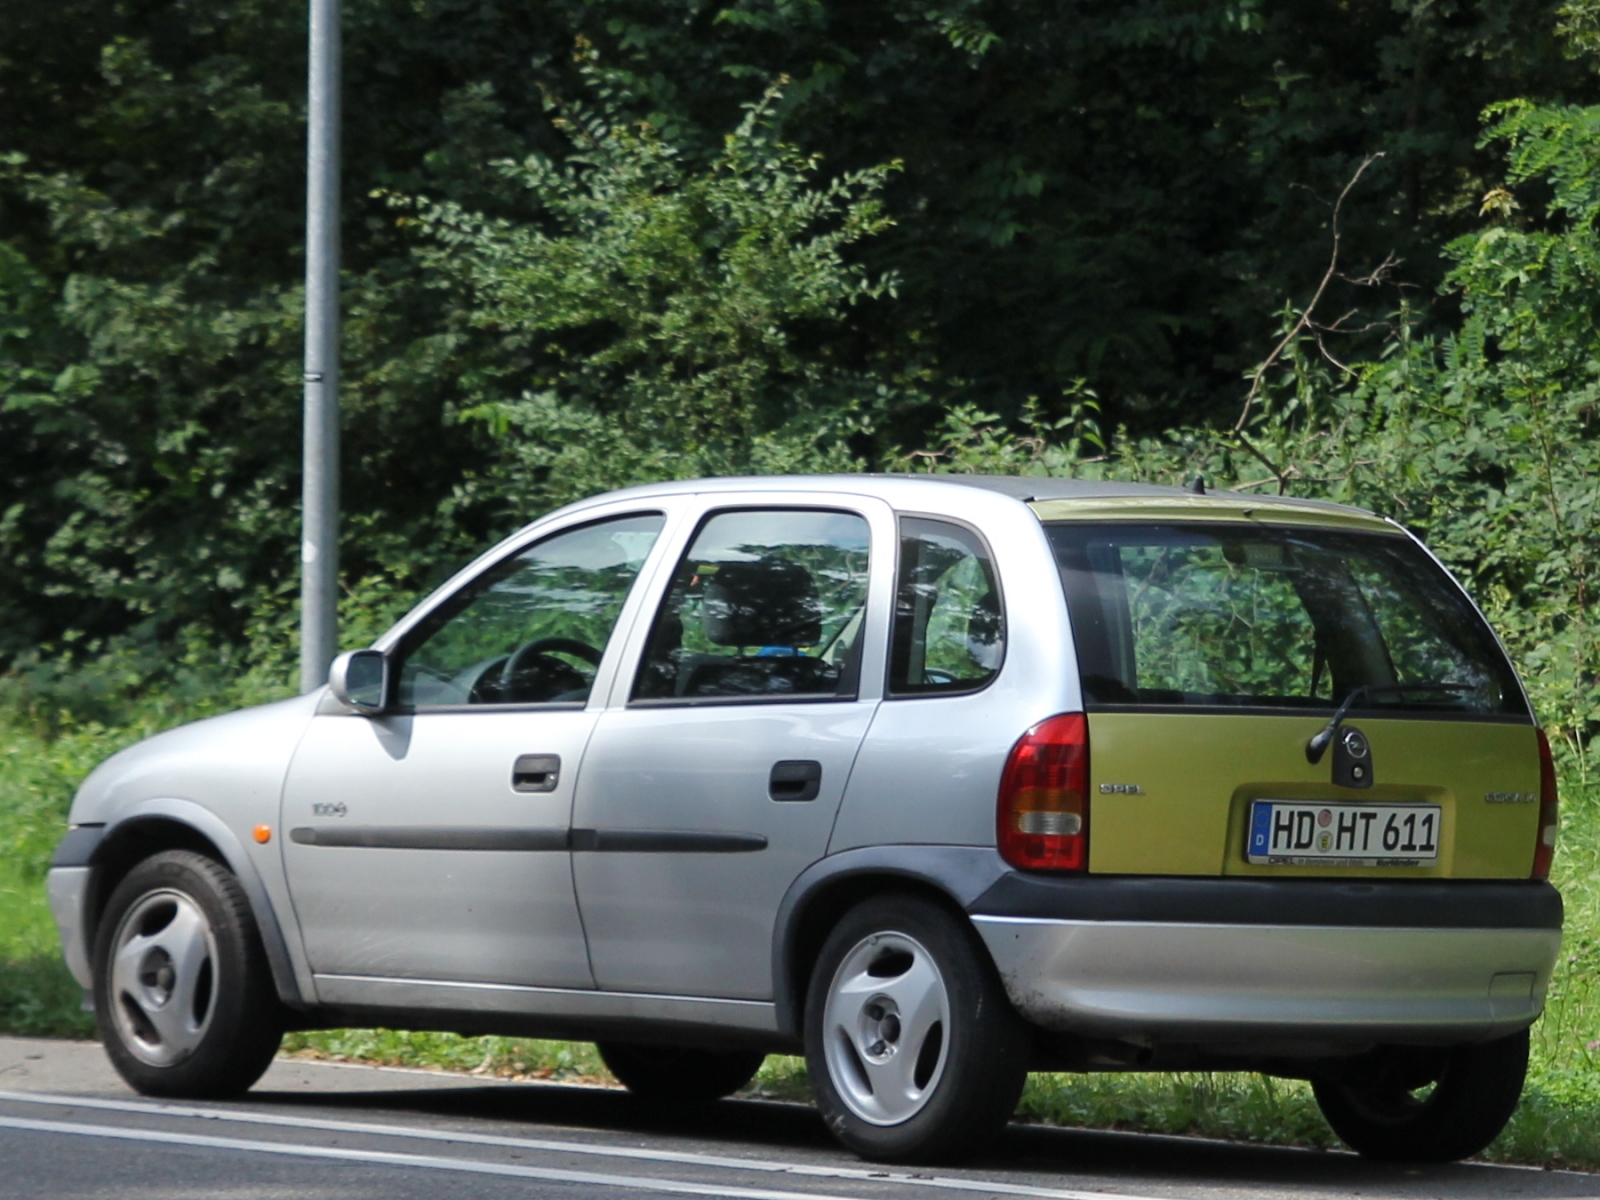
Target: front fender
(211,827)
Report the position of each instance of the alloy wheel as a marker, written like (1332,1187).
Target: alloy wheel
(886,1028)
(163,977)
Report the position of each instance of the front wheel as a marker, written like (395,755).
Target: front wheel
(1427,1106)
(182,991)
(914,1051)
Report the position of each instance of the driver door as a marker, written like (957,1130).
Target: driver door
(431,843)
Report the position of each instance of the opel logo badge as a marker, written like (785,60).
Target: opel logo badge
(1355,743)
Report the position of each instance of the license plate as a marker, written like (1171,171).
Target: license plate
(1295,833)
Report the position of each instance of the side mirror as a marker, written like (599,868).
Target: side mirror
(359,679)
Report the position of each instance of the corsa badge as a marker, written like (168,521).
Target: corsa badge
(1510,797)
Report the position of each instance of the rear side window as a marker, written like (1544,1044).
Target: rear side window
(949,631)
(765,604)
(1230,616)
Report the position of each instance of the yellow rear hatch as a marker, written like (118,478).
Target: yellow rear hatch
(1198,777)
(1215,642)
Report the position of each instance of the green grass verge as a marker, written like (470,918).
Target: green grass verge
(37,777)
(1558,1122)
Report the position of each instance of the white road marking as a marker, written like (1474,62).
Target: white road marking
(388,1158)
(726,1162)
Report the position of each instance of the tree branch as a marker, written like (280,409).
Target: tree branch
(1305,317)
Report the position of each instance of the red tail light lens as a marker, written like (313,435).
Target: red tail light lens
(1044,797)
(1549,811)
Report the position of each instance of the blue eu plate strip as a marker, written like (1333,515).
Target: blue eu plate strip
(1260,828)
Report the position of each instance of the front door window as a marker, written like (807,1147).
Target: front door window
(531,629)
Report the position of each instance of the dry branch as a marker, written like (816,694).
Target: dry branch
(1304,321)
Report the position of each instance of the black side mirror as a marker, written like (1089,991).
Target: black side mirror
(359,679)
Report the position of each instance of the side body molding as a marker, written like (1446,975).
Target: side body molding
(215,830)
(963,873)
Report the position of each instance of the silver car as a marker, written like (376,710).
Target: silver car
(937,780)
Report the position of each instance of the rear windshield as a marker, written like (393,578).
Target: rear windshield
(1224,616)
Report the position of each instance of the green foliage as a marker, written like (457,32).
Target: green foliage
(498,1057)
(37,776)
(1252,1108)
(1483,441)
(1113,190)
(660,317)
(1091,190)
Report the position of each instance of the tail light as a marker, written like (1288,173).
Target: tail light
(1044,797)
(1549,811)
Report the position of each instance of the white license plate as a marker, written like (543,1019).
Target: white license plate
(1296,833)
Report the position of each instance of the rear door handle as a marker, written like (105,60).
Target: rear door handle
(536,773)
(795,779)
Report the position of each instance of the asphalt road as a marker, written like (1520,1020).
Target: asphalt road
(69,1128)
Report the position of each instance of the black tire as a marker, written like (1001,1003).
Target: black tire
(680,1074)
(190,1011)
(1378,1112)
(891,1084)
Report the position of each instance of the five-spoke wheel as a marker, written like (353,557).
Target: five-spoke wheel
(915,1053)
(183,994)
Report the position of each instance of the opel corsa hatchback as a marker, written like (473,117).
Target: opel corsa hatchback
(938,780)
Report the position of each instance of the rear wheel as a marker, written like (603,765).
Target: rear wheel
(914,1051)
(1423,1105)
(679,1073)
(182,991)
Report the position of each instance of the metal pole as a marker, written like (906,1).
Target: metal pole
(319,545)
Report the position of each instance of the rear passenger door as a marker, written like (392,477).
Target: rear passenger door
(713,781)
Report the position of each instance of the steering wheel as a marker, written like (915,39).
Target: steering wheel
(522,657)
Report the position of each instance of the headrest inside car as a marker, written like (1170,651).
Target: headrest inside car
(768,602)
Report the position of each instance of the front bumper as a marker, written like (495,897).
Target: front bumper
(67,887)
(1273,971)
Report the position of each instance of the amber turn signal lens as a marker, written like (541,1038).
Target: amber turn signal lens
(263,834)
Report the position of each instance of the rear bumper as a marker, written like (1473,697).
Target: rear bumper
(1274,971)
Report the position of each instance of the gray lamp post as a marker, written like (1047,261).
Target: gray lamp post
(319,544)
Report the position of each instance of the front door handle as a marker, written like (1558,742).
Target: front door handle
(795,779)
(536,773)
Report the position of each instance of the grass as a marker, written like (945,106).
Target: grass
(37,777)
(1558,1122)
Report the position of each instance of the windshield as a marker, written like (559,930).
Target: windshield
(1298,618)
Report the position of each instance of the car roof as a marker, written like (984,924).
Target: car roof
(1051,499)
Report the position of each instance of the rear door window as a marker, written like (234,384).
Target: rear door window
(765,604)
(1231,616)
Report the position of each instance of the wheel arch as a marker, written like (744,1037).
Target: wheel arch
(953,876)
(157,825)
